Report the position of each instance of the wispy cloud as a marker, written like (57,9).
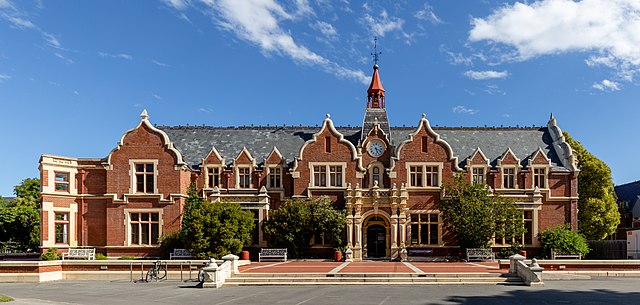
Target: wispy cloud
(327,30)
(118,55)
(205,109)
(157,97)
(494,90)
(177,4)
(5,4)
(608,28)
(259,22)
(464,110)
(4,77)
(482,75)
(427,14)
(606,85)
(161,64)
(67,60)
(18,21)
(456,58)
(379,26)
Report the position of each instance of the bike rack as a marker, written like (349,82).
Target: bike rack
(191,268)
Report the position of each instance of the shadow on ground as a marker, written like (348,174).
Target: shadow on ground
(539,295)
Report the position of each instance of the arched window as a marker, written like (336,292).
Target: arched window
(376,176)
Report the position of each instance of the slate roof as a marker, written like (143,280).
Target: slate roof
(373,116)
(195,142)
(628,193)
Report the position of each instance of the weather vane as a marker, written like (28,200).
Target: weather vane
(375,53)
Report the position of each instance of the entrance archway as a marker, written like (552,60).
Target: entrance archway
(376,241)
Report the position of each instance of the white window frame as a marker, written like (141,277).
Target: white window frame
(220,175)
(534,233)
(419,223)
(271,169)
(127,225)
(515,177)
(327,166)
(472,175)
(237,172)
(545,176)
(424,165)
(66,223)
(132,175)
(380,167)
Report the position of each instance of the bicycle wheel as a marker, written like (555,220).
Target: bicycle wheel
(151,274)
(162,273)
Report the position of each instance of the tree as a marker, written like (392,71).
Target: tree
(563,240)
(297,221)
(598,214)
(214,229)
(20,218)
(476,216)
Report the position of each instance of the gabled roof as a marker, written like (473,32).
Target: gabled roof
(629,193)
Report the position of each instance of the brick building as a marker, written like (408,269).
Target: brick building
(387,178)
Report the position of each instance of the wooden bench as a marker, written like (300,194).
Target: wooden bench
(88,253)
(269,253)
(480,254)
(179,253)
(561,255)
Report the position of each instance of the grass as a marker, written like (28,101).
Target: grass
(4,298)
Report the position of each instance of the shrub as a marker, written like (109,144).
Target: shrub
(101,257)
(562,239)
(171,241)
(51,255)
(511,250)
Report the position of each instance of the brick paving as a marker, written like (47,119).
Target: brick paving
(370,267)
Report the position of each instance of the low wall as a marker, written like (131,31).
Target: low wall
(42,271)
(579,265)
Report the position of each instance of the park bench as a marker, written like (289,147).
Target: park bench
(480,254)
(270,253)
(562,255)
(179,253)
(85,253)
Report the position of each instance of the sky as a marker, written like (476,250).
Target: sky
(75,75)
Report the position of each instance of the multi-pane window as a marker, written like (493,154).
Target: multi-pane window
(432,175)
(144,228)
(508,178)
(145,177)
(423,175)
(335,175)
(477,175)
(424,228)
(415,172)
(213,176)
(275,177)
(244,177)
(539,177)
(328,175)
(527,236)
(62,228)
(62,181)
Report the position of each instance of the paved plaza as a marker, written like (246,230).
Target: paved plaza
(595,291)
(370,267)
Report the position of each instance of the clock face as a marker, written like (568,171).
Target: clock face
(376,148)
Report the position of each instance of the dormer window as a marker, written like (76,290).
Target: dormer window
(477,175)
(539,177)
(275,177)
(508,178)
(244,177)
(213,176)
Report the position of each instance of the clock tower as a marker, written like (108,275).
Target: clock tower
(375,112)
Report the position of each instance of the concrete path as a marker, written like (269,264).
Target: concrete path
(370,267)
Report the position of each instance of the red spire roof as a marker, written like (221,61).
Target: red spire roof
(376,84)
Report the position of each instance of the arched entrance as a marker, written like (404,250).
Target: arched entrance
(376,241)
(376,235)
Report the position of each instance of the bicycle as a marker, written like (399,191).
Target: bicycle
(157,272)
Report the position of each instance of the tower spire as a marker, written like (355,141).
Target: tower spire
(375,53)
(375,93)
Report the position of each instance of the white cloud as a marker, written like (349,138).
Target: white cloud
(482,75)
(19,22)
(259,22)
(464,110)
(456,58)
(328,30)
(382,25)
(5,4)
(161,64)
(4,77)
(606,85)
(67,60)
(52,41)
(494,90)
(119,55)
(157,97)
(177,4)
(610,28)
(428,14)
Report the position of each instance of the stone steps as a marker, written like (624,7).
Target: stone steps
(296,279)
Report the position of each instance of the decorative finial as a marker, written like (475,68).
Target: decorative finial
(424,115)
(551,118)
(375,53)
(328,116)
(144,115)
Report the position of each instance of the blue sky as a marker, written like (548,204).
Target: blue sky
(75,75)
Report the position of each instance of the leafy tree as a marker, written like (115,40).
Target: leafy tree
(212,229)
(599,215)
(297,221)
(563,240)
(20,218)
(476,216)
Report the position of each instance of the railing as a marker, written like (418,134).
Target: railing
(186,268)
